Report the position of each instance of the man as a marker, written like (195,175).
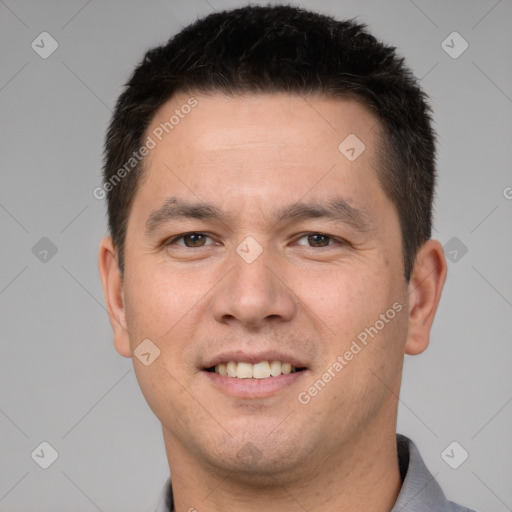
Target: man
(269,175)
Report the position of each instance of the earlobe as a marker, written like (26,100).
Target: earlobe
(425,287)
(112,283)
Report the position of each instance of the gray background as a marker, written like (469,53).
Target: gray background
(61,379)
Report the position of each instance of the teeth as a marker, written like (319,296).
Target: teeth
(261,370)
(244,371)
(275,368)
(231,369)
(286,368)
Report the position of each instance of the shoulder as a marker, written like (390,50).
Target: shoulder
(454,507)
(420,491)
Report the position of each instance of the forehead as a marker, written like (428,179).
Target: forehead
(291,122)
(259,150)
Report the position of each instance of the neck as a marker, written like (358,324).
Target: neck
(363,475)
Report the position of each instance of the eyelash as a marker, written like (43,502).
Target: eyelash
(174,239)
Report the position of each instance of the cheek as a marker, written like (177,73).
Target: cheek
(159,307)
(363,319)
(159,300)
(347,300)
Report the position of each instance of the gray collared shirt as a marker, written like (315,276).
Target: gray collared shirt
(419,493)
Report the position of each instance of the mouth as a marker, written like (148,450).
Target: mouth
(256,371)
(261,375)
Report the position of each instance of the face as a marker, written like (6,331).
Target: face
(256,238)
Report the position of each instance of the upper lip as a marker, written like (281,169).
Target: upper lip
(255,357)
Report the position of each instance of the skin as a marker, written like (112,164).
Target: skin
(250,155)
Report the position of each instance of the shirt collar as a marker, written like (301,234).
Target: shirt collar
(419,493)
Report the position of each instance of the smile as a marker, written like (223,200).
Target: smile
(260,370)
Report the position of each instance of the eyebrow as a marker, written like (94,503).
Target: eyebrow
(336,209)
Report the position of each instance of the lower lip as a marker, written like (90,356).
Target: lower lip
(253,388)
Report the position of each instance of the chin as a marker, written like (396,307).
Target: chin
(259,459)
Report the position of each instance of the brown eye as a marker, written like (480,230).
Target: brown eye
(189,240)
(319,240)
(316,240)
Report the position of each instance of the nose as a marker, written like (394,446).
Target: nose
(254,294)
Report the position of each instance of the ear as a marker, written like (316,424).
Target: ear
(113,290)
(425,287)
